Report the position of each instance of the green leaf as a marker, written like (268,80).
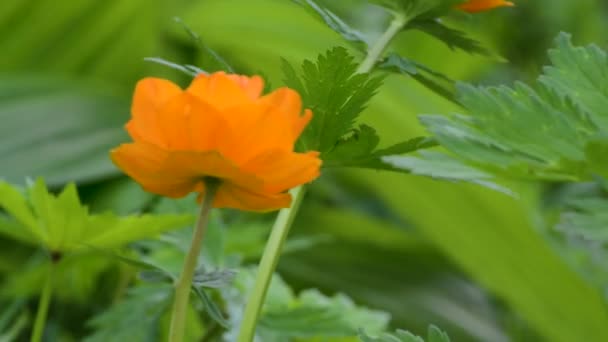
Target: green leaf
(554,130)
(360,150)
(59,129)
(435,81)
(454,39)
(586,217)
(335,22)
(13,319)
(335,93)
(434,334)
(134,319)
(210,307)
(440,211)
(309,315)
(61,223)
(441,166)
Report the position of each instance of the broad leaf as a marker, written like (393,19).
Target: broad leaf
(58,129)
(60,223)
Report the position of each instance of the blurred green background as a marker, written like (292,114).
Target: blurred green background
(481,265)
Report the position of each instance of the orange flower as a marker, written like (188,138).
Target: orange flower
(220,127)
(473,6)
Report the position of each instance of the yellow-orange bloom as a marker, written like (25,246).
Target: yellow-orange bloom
(473,6)
(221,126)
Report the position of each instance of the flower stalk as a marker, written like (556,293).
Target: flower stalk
(268,264)
(184,282)
(286,216)
(43,305)
(376,51)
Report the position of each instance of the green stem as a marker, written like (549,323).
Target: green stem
(184,283)
(376,51)
(43,305)
(269,261)
(286,216)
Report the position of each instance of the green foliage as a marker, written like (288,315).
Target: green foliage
(334,22)
(57,128)
(307,316)
(337,94)
(554,130)
(453,38)
(586,217)
(434,334)
(442,166)
(360,149)
(12,320)
(60,223)
(435,81)
(136,318)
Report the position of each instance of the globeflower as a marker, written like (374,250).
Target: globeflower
(473,6)
(220,129)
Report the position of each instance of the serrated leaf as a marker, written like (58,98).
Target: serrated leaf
(553,130)
(335,22)
(437,335)
(454,39)
(435,81)
(335,93)
(61,223)
(214,279)
(586,217)
(309,315)
(434,334)
(210,307)
(441,166)
(360,150)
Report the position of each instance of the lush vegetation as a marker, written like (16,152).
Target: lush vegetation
(462,196)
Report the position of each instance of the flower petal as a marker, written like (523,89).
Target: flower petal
(190,124)
(282,170)
(253,85)
(219,90)
(287,102)
(176,173)
(232,196)
(151,94)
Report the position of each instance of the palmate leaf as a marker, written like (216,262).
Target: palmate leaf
(337,94)
(556,129)
(434,334)
(60,223)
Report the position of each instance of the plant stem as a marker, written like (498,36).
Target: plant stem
(269,261)
(184,283)
(286,216)
(43,305)
(375,52)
